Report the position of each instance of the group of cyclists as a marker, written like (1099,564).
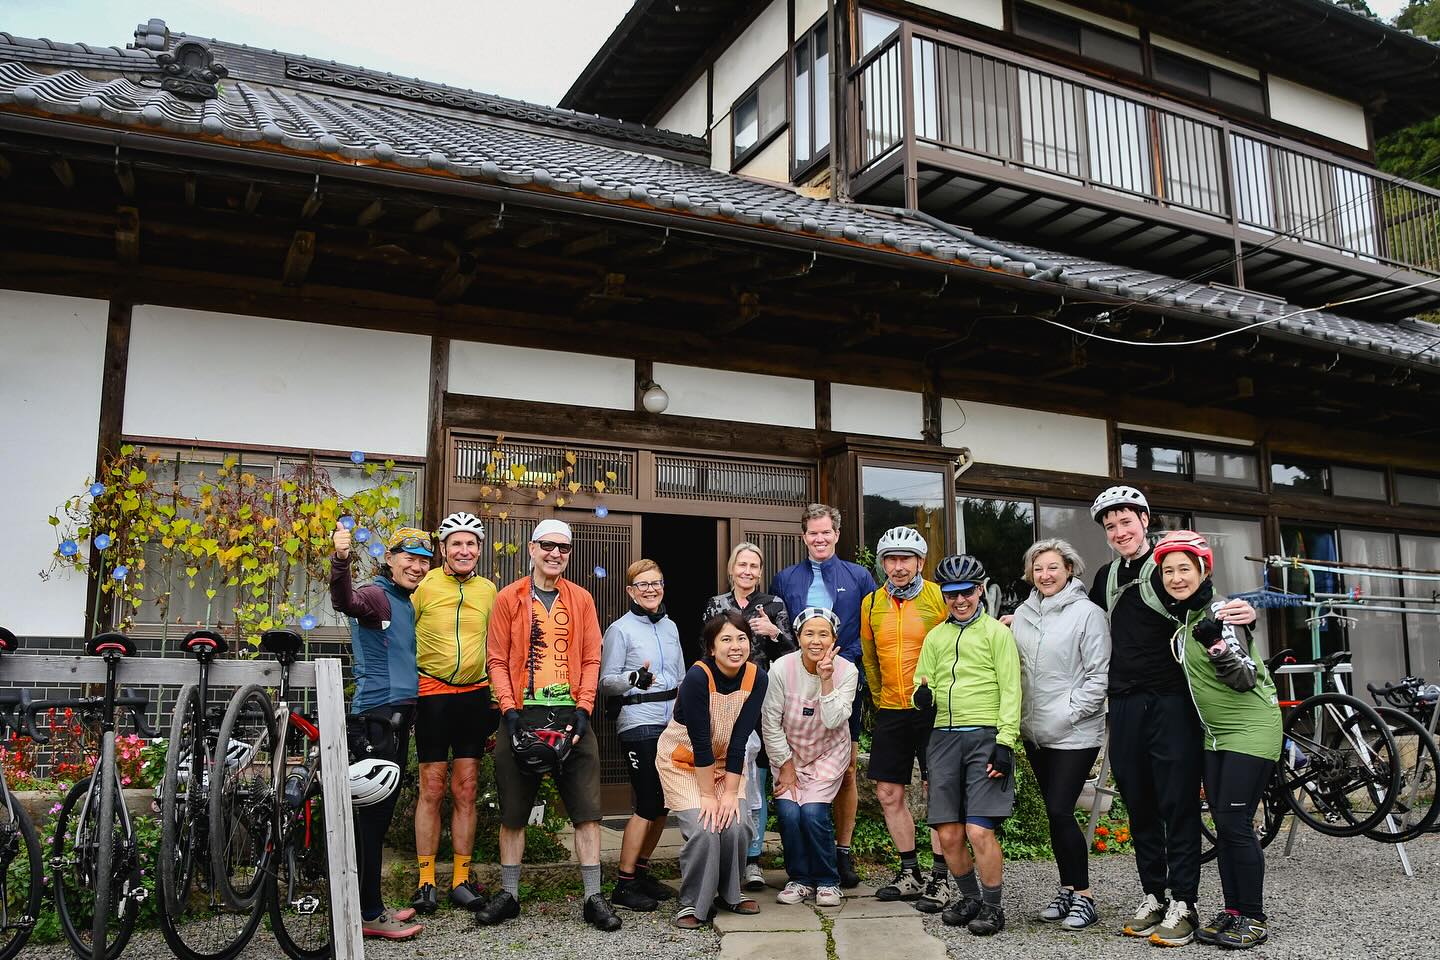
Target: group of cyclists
(771,712)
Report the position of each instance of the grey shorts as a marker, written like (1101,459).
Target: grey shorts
(959,785)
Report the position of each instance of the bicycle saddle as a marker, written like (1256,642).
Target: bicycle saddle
(1279,658)
(8,640)
(1332,660)
(203,640)
(281,643)
(110,643)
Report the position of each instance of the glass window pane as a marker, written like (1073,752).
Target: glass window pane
(821,79)
(896,497)
(1301,477)
(802,90)
(1377,638)
(1222,466)
(1182,72)
(1354,482)
(1424,491)
(874,27)
(1241,91)
(1422,630)
(1118,51)
(998,532)
(1072,522)
(772,102)
(1153,458)
(1046,27)
(1233,540)
(747,124)
(1309,543)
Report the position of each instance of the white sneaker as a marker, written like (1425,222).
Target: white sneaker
(794,893)
(828,897)
(1148,917)
(754,878)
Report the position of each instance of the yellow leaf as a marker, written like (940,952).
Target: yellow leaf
(539,494)
(136,476)
(210,593)
(559,501)
(570,458)
(610,475)
(517,470)
(599,486)
(574,486)
(167,542)
(504,514)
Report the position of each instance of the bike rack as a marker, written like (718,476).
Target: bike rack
(322,675)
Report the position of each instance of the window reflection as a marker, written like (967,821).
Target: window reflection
(897,497)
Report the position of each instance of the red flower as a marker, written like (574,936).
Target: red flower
(1102,831)
(1100,845)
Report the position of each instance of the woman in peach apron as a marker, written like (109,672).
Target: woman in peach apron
(701,762)
(805,721)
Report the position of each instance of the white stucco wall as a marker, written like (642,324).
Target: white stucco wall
(807,13)
(877,412)
(1317,112)
(541,376)
(989,12)
(1035,439)
(1204,56)
(741,397)
(52,352)
(753,52)
(690,114)
(772,163)
(1114,26)
(720,143)
(225,378)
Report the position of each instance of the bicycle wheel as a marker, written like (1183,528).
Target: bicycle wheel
(195,922)
(1269,814)
(242,798)
(300,899)
(1339,767)
(73,857)
(1415,809)
(22,875)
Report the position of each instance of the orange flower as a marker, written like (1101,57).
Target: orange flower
(1102,831)
(1100,845)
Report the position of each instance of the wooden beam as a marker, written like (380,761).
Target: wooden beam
(191,188)
(312,203)
(644,376)
(114,369)
(437,469)
(427,221)
(535,236)
(125,176)
(127,235)
(374,211)
(456,279)
(63,172)
(595,241)
(867,329)
(746,310)
(299,257)
(252,198)
(485,226)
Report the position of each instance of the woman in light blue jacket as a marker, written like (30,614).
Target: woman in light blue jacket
(641,666)
(1064,642)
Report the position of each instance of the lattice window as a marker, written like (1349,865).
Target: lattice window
(542,463)
(734,481)
(781,549)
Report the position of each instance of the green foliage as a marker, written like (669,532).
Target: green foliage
(1422,17)
(1025,834)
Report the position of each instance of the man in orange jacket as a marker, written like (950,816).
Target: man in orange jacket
(543,653)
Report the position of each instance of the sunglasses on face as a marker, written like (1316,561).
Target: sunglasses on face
(547,546)
(967,594)
(649,586)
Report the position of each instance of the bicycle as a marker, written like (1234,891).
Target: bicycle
(22,871)
(94,856)
(1403,705)
(196,921)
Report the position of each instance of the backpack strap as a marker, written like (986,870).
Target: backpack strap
(1113,590)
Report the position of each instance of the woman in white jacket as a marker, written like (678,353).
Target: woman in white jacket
(1064,642)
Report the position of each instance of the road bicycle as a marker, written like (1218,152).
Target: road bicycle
(1410,708)
(22,871)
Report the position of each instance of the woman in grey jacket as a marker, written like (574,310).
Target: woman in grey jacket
(1064,643)
(640,669)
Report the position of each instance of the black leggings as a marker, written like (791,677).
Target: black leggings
(1233,785)
(373,822)
(1062,774)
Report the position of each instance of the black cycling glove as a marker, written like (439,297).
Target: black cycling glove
(581,723)
(924,699)
(512,723)
(1002,761)
(1208,632)
(642,679)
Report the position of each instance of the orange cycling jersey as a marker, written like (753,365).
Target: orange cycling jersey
(891,634)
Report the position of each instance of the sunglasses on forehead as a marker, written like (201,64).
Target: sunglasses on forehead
(546,546)
(410,543)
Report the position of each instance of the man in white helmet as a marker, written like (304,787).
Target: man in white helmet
(455,715)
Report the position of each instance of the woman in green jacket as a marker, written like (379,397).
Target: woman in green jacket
(1240,716)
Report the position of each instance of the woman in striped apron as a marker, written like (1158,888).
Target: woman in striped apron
(701,762)
(805,722)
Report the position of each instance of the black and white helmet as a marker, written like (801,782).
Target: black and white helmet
(961,568)
(1121,496)
(901,540)
(372,780)
(461,521)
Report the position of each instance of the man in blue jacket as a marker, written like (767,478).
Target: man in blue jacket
(824,580)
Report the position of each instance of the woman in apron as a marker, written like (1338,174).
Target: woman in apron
(701,761)
(805,723)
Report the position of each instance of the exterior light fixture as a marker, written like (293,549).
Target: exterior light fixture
(654,398)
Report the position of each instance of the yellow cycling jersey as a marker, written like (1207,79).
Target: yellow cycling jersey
(451,617)
(891,635)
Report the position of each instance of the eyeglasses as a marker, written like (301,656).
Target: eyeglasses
(967,594)
(547,546)
(410,543)
(649,586)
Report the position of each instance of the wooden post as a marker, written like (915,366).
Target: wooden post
(339,828)
(437,452)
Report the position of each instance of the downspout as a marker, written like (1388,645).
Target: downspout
(1048,271)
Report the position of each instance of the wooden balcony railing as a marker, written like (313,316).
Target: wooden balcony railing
(982,105)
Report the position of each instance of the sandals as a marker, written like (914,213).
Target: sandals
(687,920)
(746,906)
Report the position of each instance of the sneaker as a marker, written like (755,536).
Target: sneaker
(1243,933)
(1215,927)
(1082,913)
(939,891)
(388,928)
(654,889)
(845,863)
(960,911)
(1148,917)
(828,897)
(631,897)
(599,914)
(754,878)
(794,893)
(499,908)
(907,885)
(989,920)
(404,913)
(467,896)
(425,901)
(1178,927)
(1059,908)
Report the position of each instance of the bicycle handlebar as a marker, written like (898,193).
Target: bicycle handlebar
(135,704)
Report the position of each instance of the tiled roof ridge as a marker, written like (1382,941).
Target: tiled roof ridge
(1349,6)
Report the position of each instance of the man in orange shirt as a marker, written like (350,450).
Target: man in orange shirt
(543,653)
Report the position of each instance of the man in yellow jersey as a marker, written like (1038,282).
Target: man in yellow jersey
(893,623)
(455,714)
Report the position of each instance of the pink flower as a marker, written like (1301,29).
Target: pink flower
(56,809)
(124,781)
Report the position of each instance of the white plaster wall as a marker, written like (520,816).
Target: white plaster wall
(226,378)
(752,53)
(807,13)
(741,397)
(1318,112)
(989,12)
(541,376)
(720,143)
(1204,56)
(877,412)
(691,113)
(1016,437)
(52,352)
(1162,432)
(772,163)
(1114,26)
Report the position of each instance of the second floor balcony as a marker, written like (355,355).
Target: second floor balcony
(990,139)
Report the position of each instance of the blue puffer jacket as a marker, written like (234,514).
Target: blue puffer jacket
(848,583)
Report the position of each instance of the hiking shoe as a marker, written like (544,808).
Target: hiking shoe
(939,891)
(960,911)
(599,914)
(467,896)
(1243,933)
(907,885)
(1082,913)
(1211,930)
(425,901)
(1148,917)
(989,920)
(404,913)
(631,897)
(1178,927)
(845,863)
(1059,908)
(655,889)
(499,908)
(828,897)
(754,878)
(388,928)
(794,893)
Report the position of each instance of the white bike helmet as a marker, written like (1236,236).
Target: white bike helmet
(901,540)
(1121,496)
(459,521)
(372,780)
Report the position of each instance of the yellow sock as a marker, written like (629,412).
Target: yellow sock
(427,870)
(462,870)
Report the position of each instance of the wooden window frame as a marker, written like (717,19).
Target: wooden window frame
(738,160)
(1190,446)
(803,170)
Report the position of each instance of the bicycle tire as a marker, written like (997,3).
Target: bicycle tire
(302,870)
(105,854)
(242,801)
(1345,785)
(1414,816)
(11,871)
(73,879)
(177,856)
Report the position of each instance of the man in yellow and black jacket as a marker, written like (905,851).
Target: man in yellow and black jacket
(455,715)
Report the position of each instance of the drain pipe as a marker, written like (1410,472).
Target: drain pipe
(1048,271)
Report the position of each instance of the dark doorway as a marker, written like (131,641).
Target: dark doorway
(685,548)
